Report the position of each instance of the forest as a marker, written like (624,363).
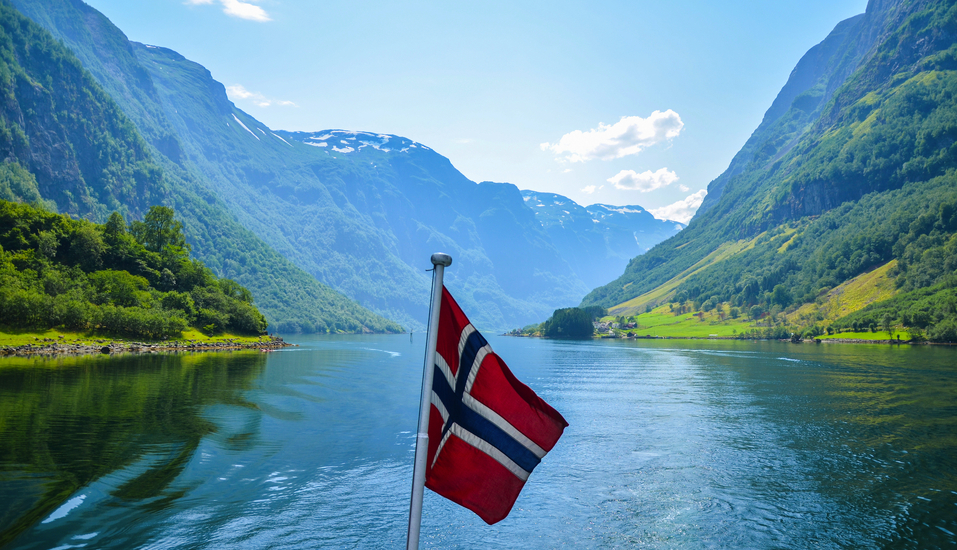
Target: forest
(132,279)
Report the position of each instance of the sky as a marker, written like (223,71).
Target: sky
(624,103)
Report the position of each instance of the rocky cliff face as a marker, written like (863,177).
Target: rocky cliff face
(810,86)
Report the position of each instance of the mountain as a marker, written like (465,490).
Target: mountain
(64,140)
(811,84)
(598,240)
(364,211)
(853,167)
(359,211)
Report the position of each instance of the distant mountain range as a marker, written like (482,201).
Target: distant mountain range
(360,212)
(598,240)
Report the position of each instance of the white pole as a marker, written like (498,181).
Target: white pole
(440,261)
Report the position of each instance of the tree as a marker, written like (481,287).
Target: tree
(569,322)
(887,324)
(781,296)
(115,226)
(47,244)
(234,290)
(159,230)
(88,247)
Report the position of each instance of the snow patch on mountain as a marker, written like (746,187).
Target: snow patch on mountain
(245,128)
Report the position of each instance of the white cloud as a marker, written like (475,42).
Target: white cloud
(237,91)
(628,136)
(588,189)
(684,188)
(240,92)
(645,181)
(238,8)
(681,211)
(567,170)
(244,10)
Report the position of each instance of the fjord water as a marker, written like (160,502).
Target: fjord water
(671,445)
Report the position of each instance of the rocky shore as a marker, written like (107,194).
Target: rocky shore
(52,347)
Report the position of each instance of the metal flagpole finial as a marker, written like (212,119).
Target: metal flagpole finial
(442,259)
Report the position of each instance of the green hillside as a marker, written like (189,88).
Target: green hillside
(870,179)
(87,158)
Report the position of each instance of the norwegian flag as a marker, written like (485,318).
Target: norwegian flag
(487,430)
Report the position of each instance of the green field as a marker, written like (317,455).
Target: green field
(662,322)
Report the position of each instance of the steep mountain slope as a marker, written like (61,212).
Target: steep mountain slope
(865,180)
(59,125)
(65,139)
(598,240)
(363,219)
(812,83)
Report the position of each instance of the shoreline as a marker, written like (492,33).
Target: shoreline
(108,346)
(885,342)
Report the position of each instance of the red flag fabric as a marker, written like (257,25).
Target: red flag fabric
(487,430)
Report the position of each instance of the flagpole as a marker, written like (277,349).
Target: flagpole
(440,261)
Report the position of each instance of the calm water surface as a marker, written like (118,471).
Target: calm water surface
(671,445)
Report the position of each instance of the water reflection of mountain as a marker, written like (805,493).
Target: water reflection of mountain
(65,423)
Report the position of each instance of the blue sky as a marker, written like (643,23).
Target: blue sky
(619,103)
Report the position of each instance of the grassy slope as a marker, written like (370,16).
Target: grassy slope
(662,322)
(848,297)
(666,291)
